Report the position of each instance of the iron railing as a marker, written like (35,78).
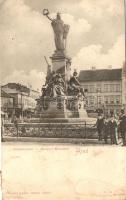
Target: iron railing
(50,130)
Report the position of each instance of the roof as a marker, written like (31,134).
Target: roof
(100,75)
(4,94)
(10,91)
(17,86)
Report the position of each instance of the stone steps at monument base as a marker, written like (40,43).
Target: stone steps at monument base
(62,120)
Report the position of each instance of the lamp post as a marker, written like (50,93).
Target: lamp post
(86,92)
(97,102)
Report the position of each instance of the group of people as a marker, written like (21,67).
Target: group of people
(112,126)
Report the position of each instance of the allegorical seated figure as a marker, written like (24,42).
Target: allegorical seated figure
(74,87)
(55,86)
(58,86)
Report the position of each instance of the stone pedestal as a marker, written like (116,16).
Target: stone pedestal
(63,107)
(76,108)
(55,108)
(61,64)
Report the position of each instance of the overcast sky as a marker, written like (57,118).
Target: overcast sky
(96,36)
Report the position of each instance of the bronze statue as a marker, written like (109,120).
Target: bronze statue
(54,87)
(60,30)
(74,87)
(59,85)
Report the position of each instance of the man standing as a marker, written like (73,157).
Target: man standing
(100,126)
(15,121)
(113,129)
(106,129)
(122,120)
(2,125)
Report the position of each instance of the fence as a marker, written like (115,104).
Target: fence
(50,130)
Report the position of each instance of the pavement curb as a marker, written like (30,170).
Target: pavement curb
(55,140)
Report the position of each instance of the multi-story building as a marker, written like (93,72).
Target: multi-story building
(106,88)
(24,98)
(124,85)
(7,103)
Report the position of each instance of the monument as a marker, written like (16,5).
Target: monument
(62,95)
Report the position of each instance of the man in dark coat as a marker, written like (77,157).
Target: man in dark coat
(100,126)
(113,128)
(106,129)
(122,120)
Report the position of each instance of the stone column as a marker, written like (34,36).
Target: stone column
(61,64)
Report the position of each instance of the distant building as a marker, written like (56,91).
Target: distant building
(124,85)
(7,103)
(106,88)
(24,98)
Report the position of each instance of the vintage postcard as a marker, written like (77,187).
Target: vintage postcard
(63,100)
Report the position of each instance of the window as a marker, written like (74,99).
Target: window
(106,88)
(85,88)
(112,88)
(98,89)
(91,100)
(118,87)
(111,100)
(106,99)
(91,88)
(117,99)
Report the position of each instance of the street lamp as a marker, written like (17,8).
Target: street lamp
(98,90)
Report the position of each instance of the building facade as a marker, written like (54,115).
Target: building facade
(7,103)
(124,85)
(106,89)
(24,98)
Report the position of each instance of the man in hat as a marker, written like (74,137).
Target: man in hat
(100,126)
(122,120)
(2,125)
(113,128)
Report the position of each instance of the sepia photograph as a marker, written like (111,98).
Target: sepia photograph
(63,100)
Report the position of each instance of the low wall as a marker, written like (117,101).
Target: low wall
(50,130)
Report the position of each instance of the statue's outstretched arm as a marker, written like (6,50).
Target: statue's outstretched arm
(49,17)
(46,13)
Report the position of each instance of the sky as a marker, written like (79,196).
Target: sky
(95,39)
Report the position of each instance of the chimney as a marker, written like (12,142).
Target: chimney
(93,68)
